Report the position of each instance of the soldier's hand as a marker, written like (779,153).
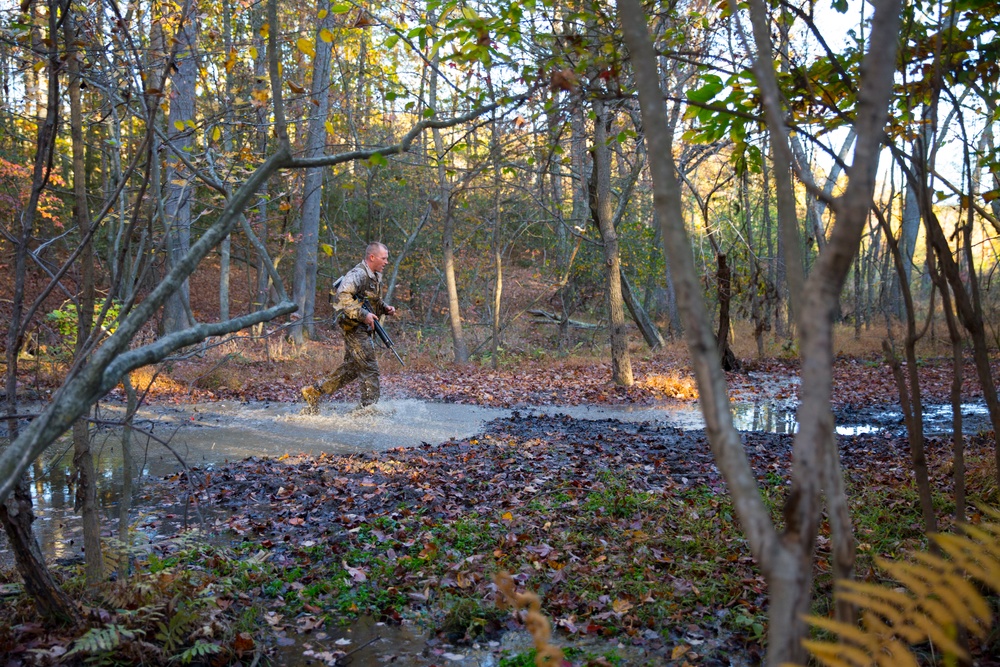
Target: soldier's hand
(389,310)
(370,320)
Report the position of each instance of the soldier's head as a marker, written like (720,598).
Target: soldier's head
(376,256)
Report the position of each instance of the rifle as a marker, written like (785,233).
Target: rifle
(380,332)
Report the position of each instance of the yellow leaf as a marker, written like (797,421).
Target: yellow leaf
(216,133)
(507,516)
(265,30)
(179,125)
(190,123)
(326,35)
(327,249)
(284,206)
(306,47)
(678,651)
(621,606)
(39,66)
(329,128)
(253,52)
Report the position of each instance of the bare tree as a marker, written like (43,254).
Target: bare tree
(785,558)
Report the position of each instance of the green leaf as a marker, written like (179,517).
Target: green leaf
(378,160)
(391,41)
(712,87)
(342,8)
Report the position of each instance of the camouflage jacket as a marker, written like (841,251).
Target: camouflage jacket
(357,284)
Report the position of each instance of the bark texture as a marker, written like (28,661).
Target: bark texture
(621,364)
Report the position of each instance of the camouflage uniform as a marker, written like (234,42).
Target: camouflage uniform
(359,354)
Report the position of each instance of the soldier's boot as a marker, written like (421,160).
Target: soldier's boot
(311,394)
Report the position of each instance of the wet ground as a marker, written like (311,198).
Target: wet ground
(210,434)
(201,435)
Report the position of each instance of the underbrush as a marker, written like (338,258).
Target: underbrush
(181,603)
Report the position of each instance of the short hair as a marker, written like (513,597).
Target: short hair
(374,247)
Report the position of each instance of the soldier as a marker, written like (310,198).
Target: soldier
(362,282)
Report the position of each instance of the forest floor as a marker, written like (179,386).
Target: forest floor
(624,529)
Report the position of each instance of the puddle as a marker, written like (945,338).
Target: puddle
(201,435)
(936,420)
(57,525)
(367,643)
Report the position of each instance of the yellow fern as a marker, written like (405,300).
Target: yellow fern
(936,596)
(546,654)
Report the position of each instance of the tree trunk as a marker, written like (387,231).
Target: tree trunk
(776,268)
(125,504)
(83,460)
(401,254)
(957,369)
(495,242)
(448,234)
(226,245)
(16,513)
(857,297)
(621,364)
(909,386)
(724,277)
(648,328)
(179,185)
(786,560)
(970,315)
(304,283)
(16,516)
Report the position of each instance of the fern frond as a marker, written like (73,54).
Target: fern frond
(936,596)
(892,611)
(199,650)
(875,592)
(100,640)
(844,631)
(967,557)
(938,635)
(985,538)
(896,654)
(831,654)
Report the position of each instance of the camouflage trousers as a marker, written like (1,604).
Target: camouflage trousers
(359,363)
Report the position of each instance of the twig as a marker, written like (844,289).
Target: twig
(365,645)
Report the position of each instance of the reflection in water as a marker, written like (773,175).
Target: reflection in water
(770,418)
(58,526)
(764,417)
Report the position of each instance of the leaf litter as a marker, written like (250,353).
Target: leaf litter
(623,529)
